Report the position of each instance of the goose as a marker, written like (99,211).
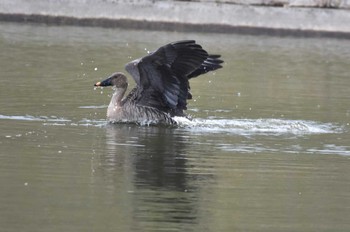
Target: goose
(162,84)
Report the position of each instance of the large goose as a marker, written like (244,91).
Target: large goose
(162,82)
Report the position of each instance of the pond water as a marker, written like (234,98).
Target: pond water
(268,148)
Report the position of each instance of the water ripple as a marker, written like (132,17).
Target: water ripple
(236,126)
(258,126)
(34,118)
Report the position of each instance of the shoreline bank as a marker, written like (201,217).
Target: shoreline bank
(182,16)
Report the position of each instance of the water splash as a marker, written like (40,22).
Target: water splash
(54,120)
(257,126)
(235,126)
(93,107)
(33,118)
(331,149)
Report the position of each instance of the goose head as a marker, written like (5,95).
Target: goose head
(117,80)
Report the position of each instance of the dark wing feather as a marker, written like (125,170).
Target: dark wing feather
(210,64)
(162,76)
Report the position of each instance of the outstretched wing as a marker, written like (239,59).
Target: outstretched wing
(210,64)
(162,76)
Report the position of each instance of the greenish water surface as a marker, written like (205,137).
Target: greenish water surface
(268,148)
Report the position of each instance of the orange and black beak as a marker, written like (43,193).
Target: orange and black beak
(106,82)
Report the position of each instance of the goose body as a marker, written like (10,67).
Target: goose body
(162,84)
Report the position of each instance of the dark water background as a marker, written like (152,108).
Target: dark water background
(268,150)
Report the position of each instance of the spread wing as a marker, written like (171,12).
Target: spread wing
(210,64)
(162,76)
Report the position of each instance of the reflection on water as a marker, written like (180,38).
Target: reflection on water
(155,160)
(267,149)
